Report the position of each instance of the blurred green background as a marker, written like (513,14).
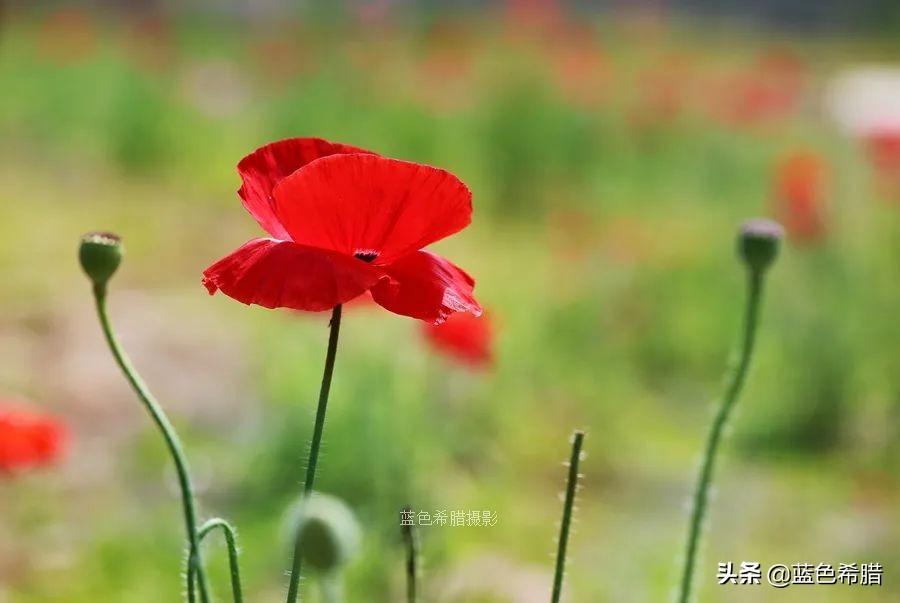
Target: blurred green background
(612,156)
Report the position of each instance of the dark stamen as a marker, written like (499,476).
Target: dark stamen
(367,256)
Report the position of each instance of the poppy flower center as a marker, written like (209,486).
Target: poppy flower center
(366,255)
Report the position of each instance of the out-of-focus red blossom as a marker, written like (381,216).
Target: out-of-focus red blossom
(67,35)
(770,90)
(282,54)
(444,80)
(801,190)
(531,19)
(444,75)
(581,68)
(662,93)
(464,337)
(343,221)
(149,41)
(280,59)
(883,150)
(29,439)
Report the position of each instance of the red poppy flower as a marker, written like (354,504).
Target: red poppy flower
(801,181)
(29,439)
(770,90)
(465,338)
(344,221)
(883,147)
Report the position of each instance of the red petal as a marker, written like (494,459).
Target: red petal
(262,169)
(282,274)
(368,203)
(427,287)
(463,336)
(29,439)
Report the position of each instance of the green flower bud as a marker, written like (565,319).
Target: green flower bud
(327,533)
(758,243)
(100,254)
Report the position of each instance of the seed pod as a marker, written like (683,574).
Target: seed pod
(326,531)
(758,243)
(100,254)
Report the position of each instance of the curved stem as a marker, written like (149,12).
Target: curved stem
(735,383)
(568,506)
(412,557)
(231,541)
(195,562)
(330,354)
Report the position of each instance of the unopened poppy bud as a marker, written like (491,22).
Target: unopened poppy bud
(327,533)
(758,243)
(100,254)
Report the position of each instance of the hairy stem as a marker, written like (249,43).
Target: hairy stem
(195,562)
(231,541)
(330,354)
(734,384)
(568,507)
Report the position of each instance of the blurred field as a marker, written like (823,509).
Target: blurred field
(611,161)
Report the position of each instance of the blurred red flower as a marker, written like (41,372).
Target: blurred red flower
(770,90)
(801,183)
(580,67)
(444,75)
(464,337)
(883,148)
(67,35)
(344,221)
(149,40)
(29,439)
(535,18)
(662,92)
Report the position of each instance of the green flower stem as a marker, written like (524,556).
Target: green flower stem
(412,557)
(335,324)
(195,562)
(231,541)
(735,383)
(568,507)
